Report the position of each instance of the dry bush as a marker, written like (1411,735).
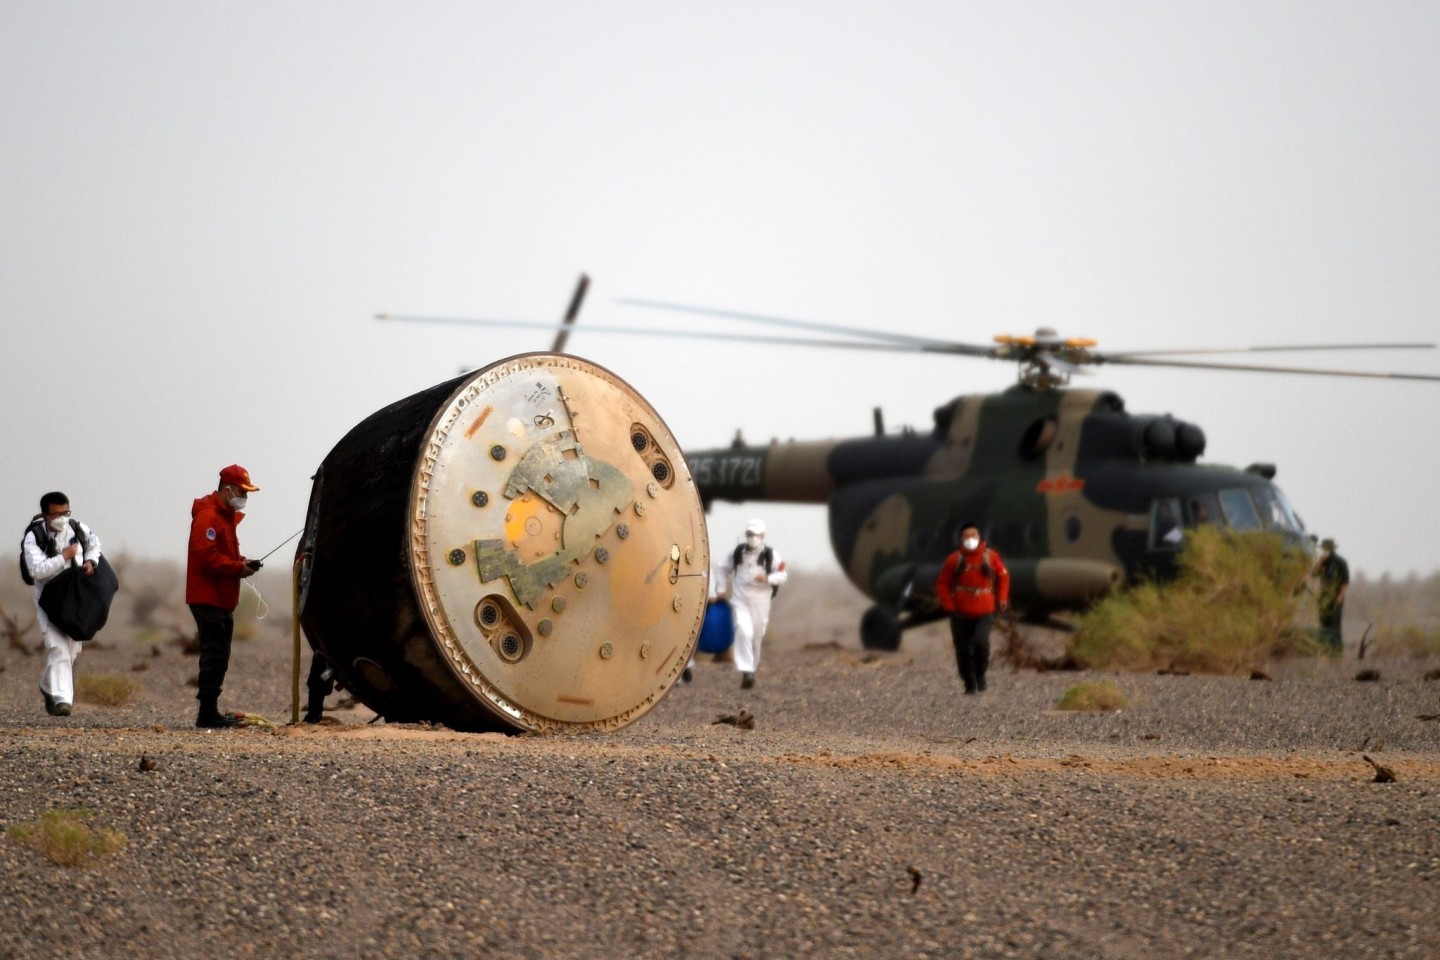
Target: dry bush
(1403,615)
(1101,695)
(1232,607)
(1408,640)
(187,640)
(106,690)
(1034,647)
(15,633)
(152,593)
(63,837)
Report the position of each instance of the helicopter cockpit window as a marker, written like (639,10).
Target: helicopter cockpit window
(1296,523)
(1165,530)
(1239,510)
(1272,511)
(1203,508)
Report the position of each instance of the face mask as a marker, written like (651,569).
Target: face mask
(970,543)
(58,524)
(238,503)
(752,541)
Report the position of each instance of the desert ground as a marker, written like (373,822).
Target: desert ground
(871,811)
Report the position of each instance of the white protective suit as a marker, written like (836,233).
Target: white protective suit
(58,678)
(749,589)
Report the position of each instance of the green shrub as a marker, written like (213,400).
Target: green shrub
(106,690)
(1092,695)
(63,837)
(1232,607)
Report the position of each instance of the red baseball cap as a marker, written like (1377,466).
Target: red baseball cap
(237,475)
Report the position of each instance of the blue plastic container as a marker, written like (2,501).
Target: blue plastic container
(717,633)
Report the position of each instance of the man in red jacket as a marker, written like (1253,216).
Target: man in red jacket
(972,584)
(213,573)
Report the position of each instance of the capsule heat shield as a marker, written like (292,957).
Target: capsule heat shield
(502,552)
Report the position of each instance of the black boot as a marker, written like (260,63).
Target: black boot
(211,718)
(315,712)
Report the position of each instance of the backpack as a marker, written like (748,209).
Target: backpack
(44,541)
(987,569)
(767,557)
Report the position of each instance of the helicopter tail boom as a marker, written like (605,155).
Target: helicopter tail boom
(788,472)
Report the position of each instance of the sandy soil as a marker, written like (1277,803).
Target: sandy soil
(871,811)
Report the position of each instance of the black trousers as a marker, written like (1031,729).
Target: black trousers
(972,648)
(216,627)
(319,685)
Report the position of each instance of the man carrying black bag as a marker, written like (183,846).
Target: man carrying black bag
(61,557)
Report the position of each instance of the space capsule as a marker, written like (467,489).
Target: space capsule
(519,549)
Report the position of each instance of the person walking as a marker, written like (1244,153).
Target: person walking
(53,542)
(972,585)
(213,571)
(750,577)
(1334,576)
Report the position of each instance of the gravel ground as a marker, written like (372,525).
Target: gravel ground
(872,811)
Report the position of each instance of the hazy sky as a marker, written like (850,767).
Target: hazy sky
(203,205)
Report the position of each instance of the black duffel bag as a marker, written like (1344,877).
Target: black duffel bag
(78,605)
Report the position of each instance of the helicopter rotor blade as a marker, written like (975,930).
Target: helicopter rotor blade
(929,344)
(1063,361)
(659,332)
(1257,368)
(1275,349)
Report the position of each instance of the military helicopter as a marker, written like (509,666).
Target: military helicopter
(1079,495)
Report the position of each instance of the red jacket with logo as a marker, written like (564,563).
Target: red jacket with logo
(965,589)
(214,564)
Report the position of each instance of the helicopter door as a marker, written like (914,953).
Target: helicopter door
(1165,530)
(1239,510)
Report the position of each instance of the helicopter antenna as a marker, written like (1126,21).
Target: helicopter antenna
(570,314)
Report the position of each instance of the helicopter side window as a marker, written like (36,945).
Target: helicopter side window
(1203,508)
(1239,510)
(1072,528)
(1165,531)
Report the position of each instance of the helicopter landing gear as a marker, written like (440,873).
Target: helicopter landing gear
(880,629)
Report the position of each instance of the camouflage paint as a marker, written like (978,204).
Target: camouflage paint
(1060,482)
